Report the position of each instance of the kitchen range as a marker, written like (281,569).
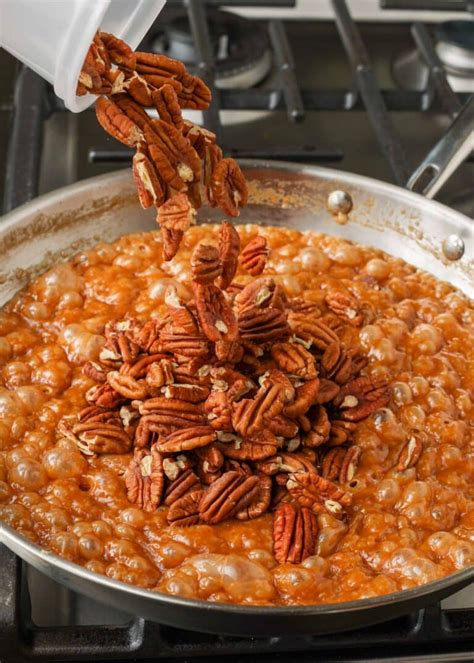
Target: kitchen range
(310,87)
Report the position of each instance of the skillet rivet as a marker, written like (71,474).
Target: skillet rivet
(453,247)
(339,203)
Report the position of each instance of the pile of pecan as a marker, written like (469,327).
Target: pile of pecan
(238,402)
(175,159)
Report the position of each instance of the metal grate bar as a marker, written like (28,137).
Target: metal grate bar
(286,67)
(367,85)
(447,97)
(26,138)
(200,31)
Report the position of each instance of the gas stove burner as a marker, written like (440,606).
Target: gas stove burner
(454,47)
(241,47)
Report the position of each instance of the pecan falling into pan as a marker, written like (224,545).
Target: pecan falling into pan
(173,156)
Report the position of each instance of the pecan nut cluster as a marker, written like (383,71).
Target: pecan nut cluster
(235,403)
(175,160)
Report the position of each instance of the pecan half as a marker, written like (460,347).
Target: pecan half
(219,411)
(101,438)
(94,371)
(184,484)
(132,110)
(185,511)
(361,397)
(327,391)
(320,428)
(317,493)
(195,93)
(98,415)
(349,464)
(150,188)
(155,63)
(158,374)
(261,502)
(259,447)
(332,463)
(210,462)
(295,359)
(410,454)
(229,249)
(176,413)
(186,439)
(174,217)
(254,256)
(294,534)
(116,123)
(263,326)
(306,396)
(216,317)
(127,386)
(205,264)
(312,330)
(166,103)
(249,416)
(231,493)
(191,393)
(144,478)
(341,432)
(103,396)
(228,188)
(262,293)
(173,156)
(346,307)
(119,52)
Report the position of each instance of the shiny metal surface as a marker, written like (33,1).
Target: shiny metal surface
(404,224)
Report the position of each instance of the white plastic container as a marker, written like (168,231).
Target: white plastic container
(52,37)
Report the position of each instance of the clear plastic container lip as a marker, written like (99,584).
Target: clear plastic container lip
(52,37)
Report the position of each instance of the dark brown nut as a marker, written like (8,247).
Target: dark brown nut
(132,110)
(144,478)
(205,264)
(275,377)
(183,320)
(295,462)
(327,391)
(260,447)
(176,413)
(116,123)
(216,317)
(161,65)
(294,534)
(219,411)
(184,484)
(228,188)
(261,293)
(281,426)
(159,374)
(166,103)
(349,464)
(95,371)
(174,217)
(150,188)
(410,454)
(295,359)
(191,393)
(187,439)
(306,397)
(184,345)
(173,156)
(118,345)
(100,438)
(116,79)
(336,363)
(98,414)
(250,416)
(139,368)
(209,465)
(229,249)
(254,256)
(311,331)
(261,503)
(199,137)
(346,307)
(229,351)
(127,386)
(332,463)
(318,494)
(139,89)
(303,306)
(320,428)
(119,52)
(361,397)
(90,79)
(195,93)
(229,495)
(185,511)
(341,432)
(104,396)
(263,326)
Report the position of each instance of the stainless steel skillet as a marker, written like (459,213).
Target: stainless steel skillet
(404,224)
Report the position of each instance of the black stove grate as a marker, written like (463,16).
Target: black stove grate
(34,101)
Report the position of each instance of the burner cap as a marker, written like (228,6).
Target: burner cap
(455,46)
(241,47)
